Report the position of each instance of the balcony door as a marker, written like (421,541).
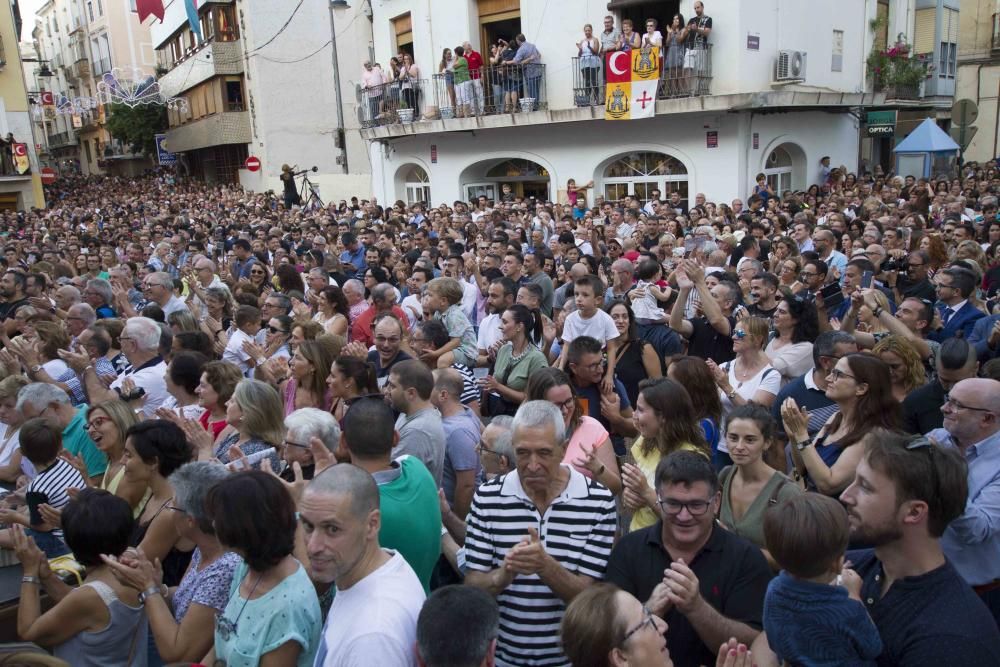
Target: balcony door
(498,19)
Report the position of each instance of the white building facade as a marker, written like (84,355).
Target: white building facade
(743,120)
(260,82)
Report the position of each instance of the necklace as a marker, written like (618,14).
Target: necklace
(514,358)
(226,628)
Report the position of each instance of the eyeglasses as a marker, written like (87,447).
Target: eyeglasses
(275,330)
(807,274)
(481,449)
(739,334)
(920,442)
(383,339)
(951,402)
(173,508)
(647,619)
(97,422)
(673,507)
(568,404)
(289,443)
(837,374)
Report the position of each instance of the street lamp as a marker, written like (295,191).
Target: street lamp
(341,138)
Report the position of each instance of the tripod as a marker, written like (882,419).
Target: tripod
(309,193)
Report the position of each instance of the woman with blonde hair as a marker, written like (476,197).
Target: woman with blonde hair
(257,418)
(906,368)
(11,420)
(107,424)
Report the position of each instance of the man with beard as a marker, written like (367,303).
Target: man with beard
(12,287)
(905,493)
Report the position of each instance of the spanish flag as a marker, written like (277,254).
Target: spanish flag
(632,79)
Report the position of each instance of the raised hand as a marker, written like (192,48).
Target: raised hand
(796,420)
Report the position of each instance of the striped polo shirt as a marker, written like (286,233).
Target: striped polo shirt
(578,530)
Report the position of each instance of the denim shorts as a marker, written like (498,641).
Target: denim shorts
(48,543)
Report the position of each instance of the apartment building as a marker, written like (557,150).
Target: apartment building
(260,81)
(979,74)
(20,188)
(779,85)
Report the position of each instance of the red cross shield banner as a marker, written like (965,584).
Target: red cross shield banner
(632,78)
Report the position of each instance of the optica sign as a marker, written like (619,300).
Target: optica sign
(880,124)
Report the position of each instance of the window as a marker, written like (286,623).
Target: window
(837,59)
(779,170)
(100,8)
(948,60)
(90,10)
(418,186)
(640,173)
(234,95)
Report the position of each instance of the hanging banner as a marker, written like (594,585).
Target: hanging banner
(101,118)
(21,163)
(632,79)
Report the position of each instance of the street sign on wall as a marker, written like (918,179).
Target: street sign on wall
(880,124)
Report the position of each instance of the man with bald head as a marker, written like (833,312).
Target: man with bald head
(378,596)
(972,541)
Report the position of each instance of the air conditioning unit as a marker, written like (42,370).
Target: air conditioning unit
(790,66)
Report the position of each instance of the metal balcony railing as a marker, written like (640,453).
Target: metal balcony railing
(684,74)
(393,102)
(499,89)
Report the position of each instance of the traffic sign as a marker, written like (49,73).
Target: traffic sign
(252,163)
(163,155)
(962,134)
(48,175)
(964,112)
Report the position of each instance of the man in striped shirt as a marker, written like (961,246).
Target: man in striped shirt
(536,537)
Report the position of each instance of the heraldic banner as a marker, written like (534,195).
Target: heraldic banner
(21,163)
(632,78)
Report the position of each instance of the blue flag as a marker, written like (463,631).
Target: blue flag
(191,6)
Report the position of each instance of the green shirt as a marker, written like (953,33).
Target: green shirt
(515,374)
(411,517)
(461,70)
(78,443)
(751,525)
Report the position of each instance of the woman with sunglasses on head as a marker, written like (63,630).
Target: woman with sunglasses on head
(589,447)
(797,325)
(749,377)
(861,386)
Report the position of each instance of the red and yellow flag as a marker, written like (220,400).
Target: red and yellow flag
(21,163)
(632,78)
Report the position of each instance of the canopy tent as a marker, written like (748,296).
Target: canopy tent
(928,149)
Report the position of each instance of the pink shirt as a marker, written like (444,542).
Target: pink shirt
(590,433)
(373,77)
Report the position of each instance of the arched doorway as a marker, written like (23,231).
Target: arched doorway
(785,168)
(524,177)
(640,172)
(413,184)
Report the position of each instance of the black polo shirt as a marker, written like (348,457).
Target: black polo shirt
(707,343)
(922,409)
(927,620)
(732,577)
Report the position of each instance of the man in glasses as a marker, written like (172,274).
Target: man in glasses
(955,361)
(912,280)
(971,542)
(707,583)
(158,288)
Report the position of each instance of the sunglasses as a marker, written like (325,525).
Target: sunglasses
(740,334)
(275,330)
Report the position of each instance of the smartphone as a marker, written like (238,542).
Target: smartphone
(832,296)
(34,499)
(866,279)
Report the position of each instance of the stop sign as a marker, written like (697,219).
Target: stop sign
(48,175)
(252,163)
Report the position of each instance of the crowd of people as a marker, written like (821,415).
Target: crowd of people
(505,432)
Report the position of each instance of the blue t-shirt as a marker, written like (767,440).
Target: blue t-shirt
(287,612)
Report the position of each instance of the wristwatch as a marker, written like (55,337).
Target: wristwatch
(35,368)
(149,592)
(802,444)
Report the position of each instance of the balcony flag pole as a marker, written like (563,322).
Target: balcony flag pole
(191,7)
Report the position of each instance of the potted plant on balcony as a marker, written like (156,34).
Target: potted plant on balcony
(897,71)
(405,111)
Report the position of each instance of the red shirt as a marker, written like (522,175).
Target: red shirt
(361,330)
(475,63)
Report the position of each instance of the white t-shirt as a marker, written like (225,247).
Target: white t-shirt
(8,445)
(374,622)
(767,379)
(173,305)
(489,331)
(469,298)
(151,377)
(413,308)
(55,368)
(234,352)
(599,326)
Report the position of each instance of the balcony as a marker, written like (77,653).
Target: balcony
(81,69)
(209,60)
(61,140)
(231,127)
(675,81)
(502,90)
